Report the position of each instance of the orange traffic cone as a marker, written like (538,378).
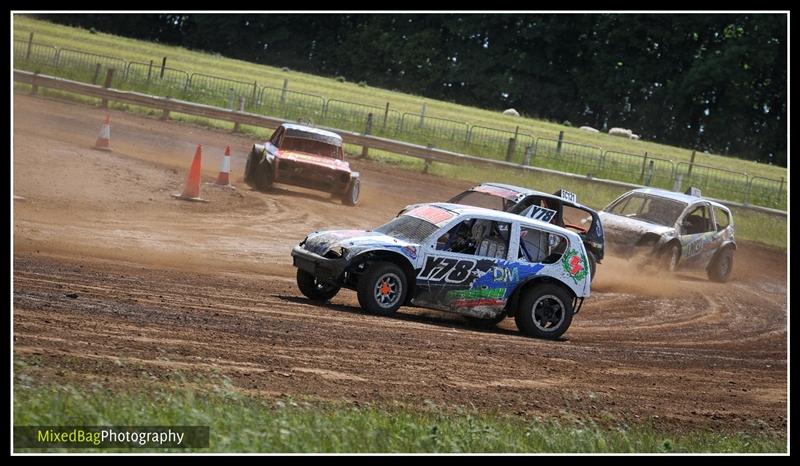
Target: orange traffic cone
(192,190)
(104,139)
(224,170)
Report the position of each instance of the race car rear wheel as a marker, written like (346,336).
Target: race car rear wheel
(263,175)
(721,266)
(382,288)
(313,289)
(544,311)
(350,197)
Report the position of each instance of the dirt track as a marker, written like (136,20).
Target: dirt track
(165,286)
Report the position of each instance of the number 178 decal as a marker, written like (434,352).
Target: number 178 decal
(446,269)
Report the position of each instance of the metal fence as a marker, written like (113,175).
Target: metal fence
(714,182)
(291,105)
(353,116)
(494,143)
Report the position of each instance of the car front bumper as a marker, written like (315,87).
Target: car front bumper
(323,268)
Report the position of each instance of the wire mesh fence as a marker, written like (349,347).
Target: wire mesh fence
(634,168)
(291,105)
(353,116)
(497,143)
(442,133)
(767,192)
(567,156)
(152,78)
(714,182)
(439,132)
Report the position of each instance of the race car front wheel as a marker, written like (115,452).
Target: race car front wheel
(671,256)
(313,289)
(545,311)
(263,175)
(249,166)
(382,288)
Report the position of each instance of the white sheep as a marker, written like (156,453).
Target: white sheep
(511,112)
(589,129)
(635,137)
(621,132)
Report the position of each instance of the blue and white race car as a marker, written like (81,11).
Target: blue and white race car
(483,264)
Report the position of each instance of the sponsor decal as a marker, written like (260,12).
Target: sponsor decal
(474,298)
(432,214)
(506,274)
(446,269)
(575,265)
(410,251)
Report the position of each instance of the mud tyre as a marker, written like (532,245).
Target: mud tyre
(592,265)
(313,289)
(382,288)
(721,266)
(262,177)
(544,311)
(252,161)
(350,197)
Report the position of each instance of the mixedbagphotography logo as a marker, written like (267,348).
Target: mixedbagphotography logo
(111,436)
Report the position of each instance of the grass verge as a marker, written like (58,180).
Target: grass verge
(240,423)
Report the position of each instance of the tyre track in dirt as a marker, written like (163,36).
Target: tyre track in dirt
(169,290)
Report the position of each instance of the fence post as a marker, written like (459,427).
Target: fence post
(30,46)
(241,109)
(231,96)
(149,71)
(644,164)
(96,73)
(528,154)
(512,145)
(107,84)
(469,136)
(649,177)
(676,184)
(255,88)
(427,160)
(560,140)
(747,194)
(165,113)
(163,65)
(283,91)
(691,164)
(385,117)
(422,116)
(367,130)
(34,86)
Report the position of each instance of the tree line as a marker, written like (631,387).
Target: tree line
(710,82)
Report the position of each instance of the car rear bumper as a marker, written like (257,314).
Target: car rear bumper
(323,268)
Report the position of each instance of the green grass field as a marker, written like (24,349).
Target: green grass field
(191,61)
(243,423)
